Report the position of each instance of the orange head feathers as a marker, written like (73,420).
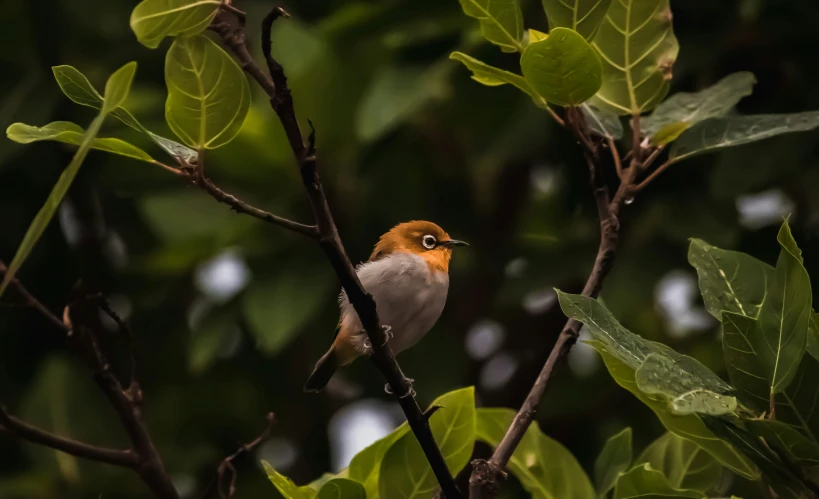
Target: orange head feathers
(425,239)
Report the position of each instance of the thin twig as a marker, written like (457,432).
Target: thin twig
(653,156)
(636,148)
(231,30)
(16,428)
(240,206)
(226,465)
(615,154)
(660,169)
(556,117)
(31,301)
(129,341)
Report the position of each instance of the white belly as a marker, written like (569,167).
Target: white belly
(409,297)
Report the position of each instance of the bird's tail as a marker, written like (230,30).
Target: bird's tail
(324,370)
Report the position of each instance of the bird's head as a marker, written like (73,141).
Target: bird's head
(421,238)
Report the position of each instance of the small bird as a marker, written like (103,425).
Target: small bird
(408,276)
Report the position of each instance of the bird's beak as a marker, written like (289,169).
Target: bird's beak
(454,242)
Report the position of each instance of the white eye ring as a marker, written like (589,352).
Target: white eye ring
(428,241)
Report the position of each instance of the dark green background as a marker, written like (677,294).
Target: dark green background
(403,133)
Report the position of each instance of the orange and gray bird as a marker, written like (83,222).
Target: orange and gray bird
(408,276)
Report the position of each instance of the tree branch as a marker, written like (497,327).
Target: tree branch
(226,468)
(230,27)
(31,301)
(83,312)
(16,428)
(487,476)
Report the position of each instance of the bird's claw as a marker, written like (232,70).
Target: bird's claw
(388,334)
(410,391)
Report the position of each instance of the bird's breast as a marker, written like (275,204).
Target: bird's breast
(409,296)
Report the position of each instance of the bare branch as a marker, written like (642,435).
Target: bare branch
(31,301)
(16,428)
(226,469)
(488,475)
(231,29)
(660,169)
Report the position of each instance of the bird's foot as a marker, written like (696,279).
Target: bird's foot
(410,391)
(387,333)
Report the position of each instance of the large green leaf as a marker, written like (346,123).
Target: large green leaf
(583,16)
(365,466)
(602,122)
(545,468)
(208,94)
(563,68)
(153,20)
(405,472)
(684,373)
(614,459)
(797,406)
(690,108)
(638,48)
(741,360)
(716,133)
(77,88)
(643,481)
(730,280)
(661,375)
(501,21)
(492,76)
(286,487)
(784,316)
(70,133)
(690,427)
(341,488)
(787,438)
(279,307)
(813,336)
(684,464)
(119,83)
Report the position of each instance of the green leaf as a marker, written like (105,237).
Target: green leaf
(43,217)
(614,459)
(278,308)
(684,464)
(285,486)
(730,280)
(686,109)
(690,427)
(70,133)
(787,438)
(534,35)
(688,373)
(813,336)
(545,468)
(601,122)
(153,20)
(77,88)
(118,87)
(644,481)
(405,473)
(716,133)
(797,405)
(342,488)
(741,360)
(563,68)
(501,21)
(583,16)
(669,133)
(784,317)
(637,45)
(208,94)
(492,77)
(660,375)
(365,466)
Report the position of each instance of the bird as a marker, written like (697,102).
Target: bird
(407,275)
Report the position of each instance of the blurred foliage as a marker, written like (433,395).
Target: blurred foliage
(403,133)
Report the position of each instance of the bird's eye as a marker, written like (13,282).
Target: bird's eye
(428,241)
